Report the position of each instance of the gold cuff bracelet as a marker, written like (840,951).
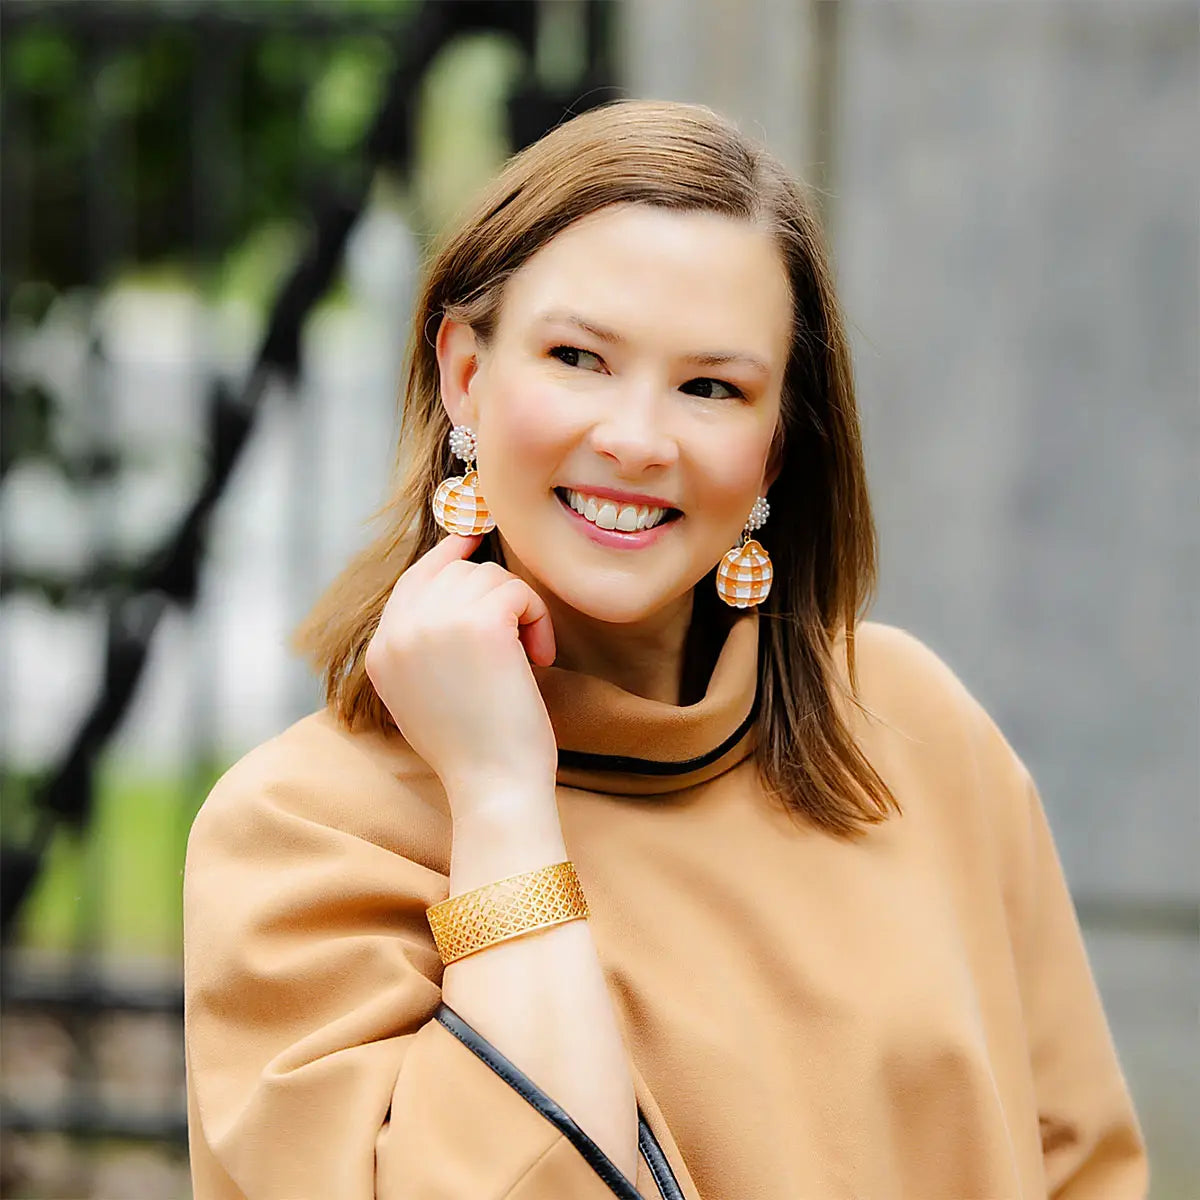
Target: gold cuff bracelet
(506,909)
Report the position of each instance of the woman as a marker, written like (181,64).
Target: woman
(743,895)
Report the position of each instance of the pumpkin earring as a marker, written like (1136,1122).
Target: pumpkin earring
(457,505)
(745,573)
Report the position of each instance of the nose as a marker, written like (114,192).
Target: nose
(634,436)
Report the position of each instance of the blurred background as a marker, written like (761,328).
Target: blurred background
(212,212)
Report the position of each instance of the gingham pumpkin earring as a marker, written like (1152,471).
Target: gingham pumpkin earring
(457,505)
(745,573)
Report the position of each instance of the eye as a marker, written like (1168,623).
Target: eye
(712,389)
(573,356)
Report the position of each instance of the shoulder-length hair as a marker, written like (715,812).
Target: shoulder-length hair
(821,535)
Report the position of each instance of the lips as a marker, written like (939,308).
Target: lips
(616,518)
(609,513)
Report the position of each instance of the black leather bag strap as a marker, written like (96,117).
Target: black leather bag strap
(656,1160)
(605,1168)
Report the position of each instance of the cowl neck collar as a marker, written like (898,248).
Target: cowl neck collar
(610,740)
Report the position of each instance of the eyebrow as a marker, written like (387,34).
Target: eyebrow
(612,338)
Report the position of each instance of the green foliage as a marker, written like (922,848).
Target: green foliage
(46,62)
(463,138)
(115,890)
(139,139)
(347,92)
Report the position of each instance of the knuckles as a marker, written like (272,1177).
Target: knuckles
(434,632)
(414,629)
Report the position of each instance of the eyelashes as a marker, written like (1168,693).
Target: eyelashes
(706,383)
(570,355)
(704,386)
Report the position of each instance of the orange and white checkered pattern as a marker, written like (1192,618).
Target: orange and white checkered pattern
(744,575)
(459,508)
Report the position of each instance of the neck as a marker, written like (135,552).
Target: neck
(645,659)
(655,658)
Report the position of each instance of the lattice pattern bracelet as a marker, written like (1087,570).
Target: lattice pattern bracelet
(506,909)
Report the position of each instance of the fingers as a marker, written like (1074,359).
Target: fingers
(452,548)
(516,600)
(538,640)
(466,582)
(445,579)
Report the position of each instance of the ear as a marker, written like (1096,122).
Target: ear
(774,461)
(458,363)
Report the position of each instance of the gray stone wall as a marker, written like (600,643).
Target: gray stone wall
(1016,231)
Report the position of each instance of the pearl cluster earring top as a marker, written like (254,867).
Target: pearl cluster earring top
(463,443)
(758,514)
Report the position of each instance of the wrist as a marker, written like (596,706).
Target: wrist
(503,818)
(502,802)
(498,833)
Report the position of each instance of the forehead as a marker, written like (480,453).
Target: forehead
(684,281)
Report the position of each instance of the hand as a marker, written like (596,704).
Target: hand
(450,659)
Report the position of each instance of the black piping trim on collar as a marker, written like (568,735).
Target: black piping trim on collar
(584,760)
(604,1167)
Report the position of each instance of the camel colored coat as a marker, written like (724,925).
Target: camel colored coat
(907,1015)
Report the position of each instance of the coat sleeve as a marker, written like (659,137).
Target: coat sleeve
(317,1065)
(1092,1146)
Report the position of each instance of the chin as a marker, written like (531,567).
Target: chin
(611,603)
(617,594)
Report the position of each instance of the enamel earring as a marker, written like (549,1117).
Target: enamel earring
(745,573)
(457,505)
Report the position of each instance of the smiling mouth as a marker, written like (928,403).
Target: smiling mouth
(617,518)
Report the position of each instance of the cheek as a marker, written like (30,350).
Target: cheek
(523,436)
(731,471)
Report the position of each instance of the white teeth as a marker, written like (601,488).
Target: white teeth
(606,517)
(627,518)
(607,514)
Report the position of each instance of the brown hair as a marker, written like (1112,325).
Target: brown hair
(682,157)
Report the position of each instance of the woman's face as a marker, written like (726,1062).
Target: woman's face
(636,367)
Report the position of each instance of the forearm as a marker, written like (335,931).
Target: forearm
(541,999)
